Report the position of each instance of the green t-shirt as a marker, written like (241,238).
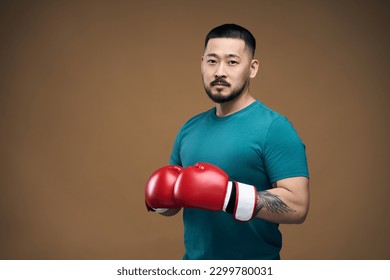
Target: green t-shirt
(256,146)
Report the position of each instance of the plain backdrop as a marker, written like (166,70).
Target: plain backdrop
(92,94)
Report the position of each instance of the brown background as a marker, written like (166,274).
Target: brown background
(92,94)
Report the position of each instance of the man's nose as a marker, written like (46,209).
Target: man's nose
(220,71)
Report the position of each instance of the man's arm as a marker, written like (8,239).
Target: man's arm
(205,186)
(286,203)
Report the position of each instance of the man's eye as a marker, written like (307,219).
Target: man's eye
(211,61)
(232,62)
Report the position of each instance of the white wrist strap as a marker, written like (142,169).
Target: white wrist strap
(245,202)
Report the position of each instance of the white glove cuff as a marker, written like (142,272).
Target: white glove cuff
(245,202)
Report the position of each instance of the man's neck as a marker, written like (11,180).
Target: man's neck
(231,107)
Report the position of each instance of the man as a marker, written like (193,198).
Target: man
(238,170)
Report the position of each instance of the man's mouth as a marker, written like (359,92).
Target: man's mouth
(220,83)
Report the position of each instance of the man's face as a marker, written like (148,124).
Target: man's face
(227,67)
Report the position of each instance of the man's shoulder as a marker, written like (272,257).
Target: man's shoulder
(264,116)
(199,117)
(264,110)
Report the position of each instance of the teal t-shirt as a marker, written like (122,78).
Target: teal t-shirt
(256,146)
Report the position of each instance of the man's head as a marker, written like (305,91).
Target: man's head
(233,31)
(227,63)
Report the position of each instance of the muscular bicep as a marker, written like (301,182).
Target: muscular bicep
(297,185)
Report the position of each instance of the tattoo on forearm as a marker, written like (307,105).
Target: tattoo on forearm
(272,203)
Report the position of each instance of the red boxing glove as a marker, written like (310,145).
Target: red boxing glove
(205,186)
(159,188)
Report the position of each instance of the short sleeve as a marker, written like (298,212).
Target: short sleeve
(284,151)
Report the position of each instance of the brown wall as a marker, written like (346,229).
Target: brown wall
(92,94)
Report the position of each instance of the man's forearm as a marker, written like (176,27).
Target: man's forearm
(278,206)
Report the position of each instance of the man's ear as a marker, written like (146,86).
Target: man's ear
(201,64)
(254,68)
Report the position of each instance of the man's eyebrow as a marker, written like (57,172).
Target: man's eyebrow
(229,55)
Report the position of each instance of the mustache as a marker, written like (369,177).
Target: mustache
(220,81)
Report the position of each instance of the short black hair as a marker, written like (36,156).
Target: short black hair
(233,31)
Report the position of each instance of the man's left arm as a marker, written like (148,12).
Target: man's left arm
(286,203)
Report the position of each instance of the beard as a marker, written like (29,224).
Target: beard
(219,97)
